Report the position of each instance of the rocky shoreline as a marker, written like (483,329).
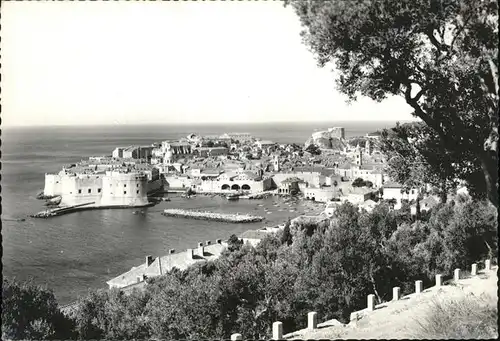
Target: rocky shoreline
(222,217)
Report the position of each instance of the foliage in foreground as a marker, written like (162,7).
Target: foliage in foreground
(440,56)
(328,267)
(31,312)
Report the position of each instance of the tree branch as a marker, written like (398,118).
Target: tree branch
(441,47)
(459,31)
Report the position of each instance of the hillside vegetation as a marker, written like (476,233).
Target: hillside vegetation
(328,267)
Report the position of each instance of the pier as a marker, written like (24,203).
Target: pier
(222,217)
(86,206)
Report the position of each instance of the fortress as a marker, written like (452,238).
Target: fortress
(103,184)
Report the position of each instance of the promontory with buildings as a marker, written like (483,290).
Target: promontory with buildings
(233,164)
(327,169)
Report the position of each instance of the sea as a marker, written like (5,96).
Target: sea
(78,252)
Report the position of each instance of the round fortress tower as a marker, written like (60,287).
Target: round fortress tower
(124,189)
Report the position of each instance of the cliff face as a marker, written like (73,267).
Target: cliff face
(326,140)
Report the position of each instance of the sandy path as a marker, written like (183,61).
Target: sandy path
(395,320)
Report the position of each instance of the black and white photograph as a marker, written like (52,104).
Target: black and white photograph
(249,170)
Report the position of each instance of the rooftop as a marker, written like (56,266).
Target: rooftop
(161,265)
(392,184)
(254,234)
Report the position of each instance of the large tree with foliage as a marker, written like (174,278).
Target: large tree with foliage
(30,312)
(440,55)
(415,157)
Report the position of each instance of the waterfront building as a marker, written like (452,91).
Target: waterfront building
(290,186)
(313,176)
(104,181)
(205,174)
(178,181)
(98,189)
(322,194)
(231,181)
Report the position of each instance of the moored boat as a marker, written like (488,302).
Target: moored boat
(232,197)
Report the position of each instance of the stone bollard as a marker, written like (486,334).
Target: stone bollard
(312,320)
(395,293)
(277,330)
(487,265)
(418,287)
(439,280)
(473,270)
(456,275)
(236,337)
(371,302)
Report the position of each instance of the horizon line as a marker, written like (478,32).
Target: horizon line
(201,123)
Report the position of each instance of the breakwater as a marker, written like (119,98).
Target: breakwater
(222,217)
(81,207)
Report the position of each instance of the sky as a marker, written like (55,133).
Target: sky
(88,63)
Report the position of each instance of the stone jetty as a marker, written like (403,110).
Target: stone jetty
(44,214)
(222,217)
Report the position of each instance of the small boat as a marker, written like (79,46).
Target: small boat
(135,212)
(232,197)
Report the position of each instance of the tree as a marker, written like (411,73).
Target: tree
(286,237)
(31,312)
(416,158)
(440,56)
(358,182)
(234,243)
(313,149)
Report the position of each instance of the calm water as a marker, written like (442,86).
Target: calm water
(80,251)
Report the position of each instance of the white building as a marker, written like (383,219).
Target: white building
(109,188)
(394,190)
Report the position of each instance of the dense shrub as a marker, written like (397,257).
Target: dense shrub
(31,312)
